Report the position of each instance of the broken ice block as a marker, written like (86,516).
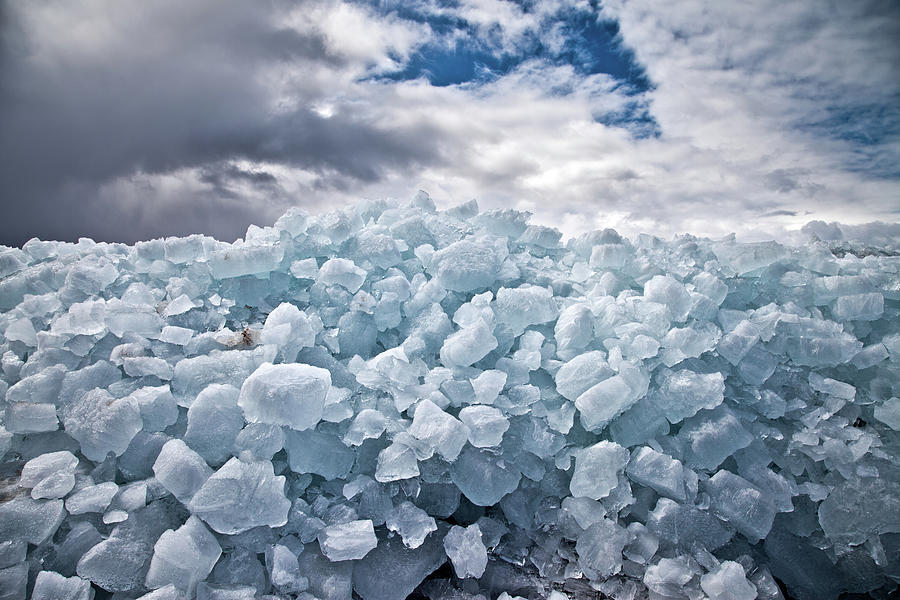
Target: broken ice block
(741,504)
(183,557)
(348,541)
(466,551)
(597,470)
(240,496)
(288,394)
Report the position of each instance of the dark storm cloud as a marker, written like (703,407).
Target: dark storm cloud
(92,92)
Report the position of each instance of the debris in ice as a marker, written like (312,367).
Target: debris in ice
(390,400)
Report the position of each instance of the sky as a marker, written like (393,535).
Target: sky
(123,120)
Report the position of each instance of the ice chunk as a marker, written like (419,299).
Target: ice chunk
(573,330)
(183,557)
(483,477)
(102,423)
(348,541)
(525,305)
(157,405)
(33,521)
(368,424)
(686,527)
(214,421)
(466,551)
(26,417)
(396,462)
(392,571)
(728,582)
(600,548)
(120,562)
(13,581)
(343,272)
(412,523)
(662,473)
(145,366)
(667,290)
(711,437)
(290,329)
(597,470)
(859,307)
(50,475)
(684,392)
(193,375)
(172,334)
(582,373)
(53,586)
(488,385)
(888,412)
(443,432)
(859,509)
(261,440)
(468,264)
(181,470)
(287,394)
(468,345)
(741,504)
(604,401)
(486,425)
(284,570)
(240,496)
(320,453)
(245,259)
(92,499)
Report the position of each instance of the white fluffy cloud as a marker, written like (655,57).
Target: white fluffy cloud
(768,114)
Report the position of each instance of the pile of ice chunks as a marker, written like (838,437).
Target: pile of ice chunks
(390,400)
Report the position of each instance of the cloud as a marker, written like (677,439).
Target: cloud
(128,120)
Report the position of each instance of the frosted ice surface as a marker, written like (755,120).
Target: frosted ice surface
(285,394)
(468,264)
(183,557)
(663,473)
(597,470)
(466,551)
(343,272)
(442,431)
(741,504)
(581,373)
(728,582)
(102,423)
(525,305)
(261,440)
(29,520)
(600,548)
(91,499)
(396,462)
(486,425)
(50,475)
(712,436)
(684,392)
(412,523)
(667,290)
(181,470)
(392,571)
(348,541)
(52,586)
(240,496)
(213,422)
(468,345)
(604,401)
(888,412)
(320,453)
(483,477)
